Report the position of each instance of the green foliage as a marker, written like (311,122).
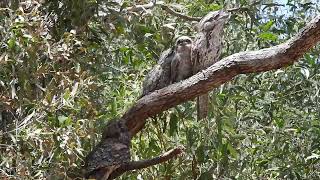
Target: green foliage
(67,67)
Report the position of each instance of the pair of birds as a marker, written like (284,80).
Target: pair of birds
(185,59)
(189,57)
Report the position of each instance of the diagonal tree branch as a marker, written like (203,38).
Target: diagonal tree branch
(223,71)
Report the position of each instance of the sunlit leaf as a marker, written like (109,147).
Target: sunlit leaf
(268,36)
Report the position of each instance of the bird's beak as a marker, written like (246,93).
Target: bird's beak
(185,43)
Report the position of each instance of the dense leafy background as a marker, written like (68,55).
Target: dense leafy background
(67,67)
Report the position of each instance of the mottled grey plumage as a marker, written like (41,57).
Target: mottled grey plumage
(111,152)
(174,65)
(206,49)
(159,76)
(181,66)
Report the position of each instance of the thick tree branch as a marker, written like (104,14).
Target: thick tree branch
(223,71)
(134,165)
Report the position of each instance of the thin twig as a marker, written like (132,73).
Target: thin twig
(180,15)
(143,7)
(243,8)
(171,11)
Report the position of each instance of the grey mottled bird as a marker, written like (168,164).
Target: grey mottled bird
(206,50)
(181,66)
(174,65)
(159,75)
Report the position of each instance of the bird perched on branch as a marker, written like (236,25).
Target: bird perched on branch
(206,50)
(159,76)
(181,66)
(174,65)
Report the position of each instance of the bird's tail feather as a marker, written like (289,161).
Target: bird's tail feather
(202,106)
